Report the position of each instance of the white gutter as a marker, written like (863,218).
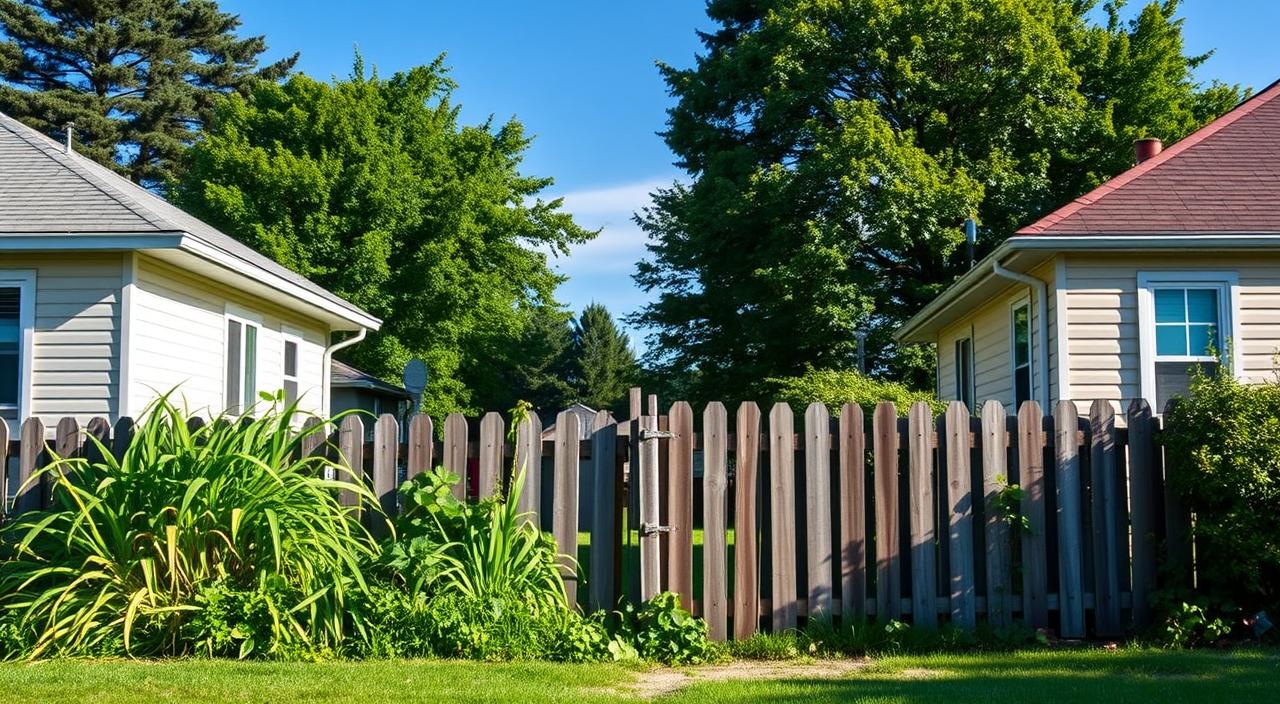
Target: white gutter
(327,371)
(1042,309)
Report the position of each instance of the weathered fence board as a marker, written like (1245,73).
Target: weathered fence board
(605,525)
(924,565)
(351,448)
(817,483)
(746,568)
(528,463)
(455,450)
(964,597)
(650,516)
(492,436)
(995,472)
(386,461)
(680,504)
(564,512)
(715,586)
(888,559)
(1142,503)
(1070,521)
(853,513)
(1107,516)
(421,446)
(782,491)
(1035,569)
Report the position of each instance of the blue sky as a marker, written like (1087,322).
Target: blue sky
(581,77)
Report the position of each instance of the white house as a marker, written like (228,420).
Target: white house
(1120,293)
(109,295)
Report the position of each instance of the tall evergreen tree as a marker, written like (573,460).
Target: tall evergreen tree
(137,77)
(604,365)
(835,147)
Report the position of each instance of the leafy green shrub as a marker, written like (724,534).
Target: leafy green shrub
(1223,449)
(121,561)
(1188,625)
(838,387)
(662,631)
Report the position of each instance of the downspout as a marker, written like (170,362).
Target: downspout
(1042,309)
(327,371)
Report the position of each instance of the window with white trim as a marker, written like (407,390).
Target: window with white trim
(290,370)
(1186,320)
(242,365)
(1020,352)
(17,310)
(964,371)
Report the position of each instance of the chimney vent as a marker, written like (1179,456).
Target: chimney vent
(1144,149)
(71,129)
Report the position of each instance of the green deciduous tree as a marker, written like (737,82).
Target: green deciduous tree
(372,188)
(604,365)
(137,77)
(835,148)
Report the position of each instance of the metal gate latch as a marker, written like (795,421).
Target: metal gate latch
(650,529)
(646,434)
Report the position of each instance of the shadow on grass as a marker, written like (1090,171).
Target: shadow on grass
(1088,677)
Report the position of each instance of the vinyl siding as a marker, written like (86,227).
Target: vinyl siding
(990,325)
(1102,317)
(75,359)
(178,340)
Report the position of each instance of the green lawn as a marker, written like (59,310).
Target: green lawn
(1061,677)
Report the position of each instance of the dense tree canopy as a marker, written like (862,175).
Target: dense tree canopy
(372,188)
(604,365)
(835,148)
(138,79)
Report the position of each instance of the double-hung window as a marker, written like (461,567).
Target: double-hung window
(1020,354)
(964,371)
(17,311)
(290,370)
(1186,324)
(242,365)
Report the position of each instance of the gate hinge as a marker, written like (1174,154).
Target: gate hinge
(646,434)
(650,529)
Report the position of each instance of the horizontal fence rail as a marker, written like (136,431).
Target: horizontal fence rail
(759,520)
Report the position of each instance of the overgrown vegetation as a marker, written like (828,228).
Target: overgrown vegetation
(1223,453)
(836,388)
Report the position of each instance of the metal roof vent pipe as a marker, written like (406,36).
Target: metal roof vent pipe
(971,240)
(1146,148)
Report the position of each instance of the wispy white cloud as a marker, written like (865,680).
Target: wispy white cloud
(624,198)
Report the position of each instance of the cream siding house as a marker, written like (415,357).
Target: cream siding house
(1173,264)
(109,296)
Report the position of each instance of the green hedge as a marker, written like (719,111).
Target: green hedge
(838,387)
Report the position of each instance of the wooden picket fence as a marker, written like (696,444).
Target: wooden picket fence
(895,518)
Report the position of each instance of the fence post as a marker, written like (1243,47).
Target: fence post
(650,547)
(853,514)
(782,489)
(1070,521)
(817,483)
(995,472)
(746,575)
(564,503)
(312,439)
(421,450)
(351,447)
(29,460)
(1107,512)
(605,522)
(121,437)
(1142,500)
(888,560)
(455,451)
(680,503)
(386,460)
(924,574)
(492,437)
(964,606)
(715,429)
(529,460)
(1035,571)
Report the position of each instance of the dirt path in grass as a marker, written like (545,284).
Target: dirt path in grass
(652,684)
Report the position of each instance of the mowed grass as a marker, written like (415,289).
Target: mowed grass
(1054,677)
(1058,677)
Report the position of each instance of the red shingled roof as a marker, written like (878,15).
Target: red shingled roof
(1223,178)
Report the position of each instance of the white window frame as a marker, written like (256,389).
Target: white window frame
(1227,282)
(25,281)
(246,319)
(1014,305)
(290,335)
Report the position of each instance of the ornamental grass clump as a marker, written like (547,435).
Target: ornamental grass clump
(124,559)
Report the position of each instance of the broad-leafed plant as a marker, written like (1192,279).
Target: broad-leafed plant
(118,561)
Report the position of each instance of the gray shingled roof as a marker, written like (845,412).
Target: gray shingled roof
(44,190)
(345,375)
